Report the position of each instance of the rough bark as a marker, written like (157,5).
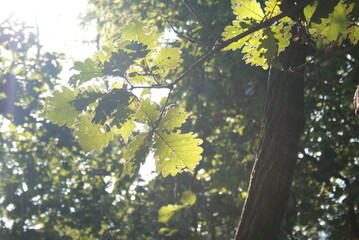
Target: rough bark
(282,126)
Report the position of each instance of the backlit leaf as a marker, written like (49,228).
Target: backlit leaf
(148,112)
(126,129)
(166,58)
(176,152)
(174,118)
(247,9)
(58,109)
(353,34)
(166,212)
(92,136)
(140,32)
(331,28)
(272,8)
(188,198)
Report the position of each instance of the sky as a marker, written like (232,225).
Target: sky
(59,31)
(58,21)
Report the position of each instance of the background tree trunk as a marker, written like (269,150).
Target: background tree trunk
(282,126)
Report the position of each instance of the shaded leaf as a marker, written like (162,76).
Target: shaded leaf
(120,61)
(88,69)
(331,28)
(114,104)
(135,154)
(84,99)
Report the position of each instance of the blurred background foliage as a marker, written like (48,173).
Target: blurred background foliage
(50,190)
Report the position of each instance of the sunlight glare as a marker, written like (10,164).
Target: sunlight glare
(58,23)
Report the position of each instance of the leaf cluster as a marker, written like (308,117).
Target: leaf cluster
(98,117)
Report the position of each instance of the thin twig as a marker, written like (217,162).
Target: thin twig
(187,38)
(293,69)
(204,58)
(196,15)
(128,81)
(160,116)
(163,108)
(150,72)
(152,86)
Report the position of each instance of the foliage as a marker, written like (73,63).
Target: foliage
(325,26)
(52,190)
(98,117)
(228,98)
(261,47)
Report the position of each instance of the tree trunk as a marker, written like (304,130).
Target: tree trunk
(282,126)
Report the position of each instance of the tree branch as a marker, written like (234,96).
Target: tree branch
(220,45)
(187,38)
(199,19)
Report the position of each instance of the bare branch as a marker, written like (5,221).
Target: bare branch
(196,15)
(151,86)
(186,38)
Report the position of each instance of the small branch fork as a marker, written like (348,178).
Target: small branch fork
(199,19)
(187,38)
(222,44)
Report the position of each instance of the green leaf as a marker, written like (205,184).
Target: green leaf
(231,32)
(88,69)
(263,46)
(256,48)
(174,118)
(270,46)
(309,10)
(176,152)
(58,109)
(92,136)
(121,60)
(85,98)
(140,32)
(166,212)
(115,105)
(282,34)
(166,58)
(126,129)
(331,28)
(353,34)
(247,9)
(148,112)
(167,231)
(272,8)
(135,154)
(323,9)
(188,198)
